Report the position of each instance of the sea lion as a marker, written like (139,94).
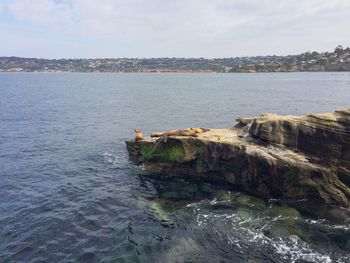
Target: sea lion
(199,130)
(191,132)
(157,134)
(139,135)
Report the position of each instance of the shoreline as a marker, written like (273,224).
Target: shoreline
(164,73)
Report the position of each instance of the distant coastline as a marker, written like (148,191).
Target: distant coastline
(337,60)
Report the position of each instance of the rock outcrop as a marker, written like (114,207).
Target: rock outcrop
(271,156)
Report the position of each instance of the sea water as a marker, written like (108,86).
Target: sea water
(68,192)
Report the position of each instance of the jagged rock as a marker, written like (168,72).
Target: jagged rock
(326,136)
(271,156)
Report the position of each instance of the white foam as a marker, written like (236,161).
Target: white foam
(251,231)
(110,157)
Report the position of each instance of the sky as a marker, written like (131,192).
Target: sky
(171,28)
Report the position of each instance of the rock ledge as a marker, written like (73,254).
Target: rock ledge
(271,156)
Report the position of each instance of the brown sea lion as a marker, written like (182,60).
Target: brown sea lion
(157,134)
(199,130)
(139,135)
(191,132)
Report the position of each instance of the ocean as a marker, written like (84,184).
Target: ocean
(68,192)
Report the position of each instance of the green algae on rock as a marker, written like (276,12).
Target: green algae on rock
(271,156)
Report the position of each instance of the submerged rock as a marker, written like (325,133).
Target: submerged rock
(156,208)
(271,156)
(185,248)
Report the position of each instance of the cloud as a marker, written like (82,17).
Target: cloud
(210,28)
(48,13)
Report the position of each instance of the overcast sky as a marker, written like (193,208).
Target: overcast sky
(171,28)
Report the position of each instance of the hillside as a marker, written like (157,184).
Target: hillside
(338,60)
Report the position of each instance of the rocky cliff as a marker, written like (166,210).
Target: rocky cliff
(271,156)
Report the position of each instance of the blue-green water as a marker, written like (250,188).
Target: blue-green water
(69,194)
